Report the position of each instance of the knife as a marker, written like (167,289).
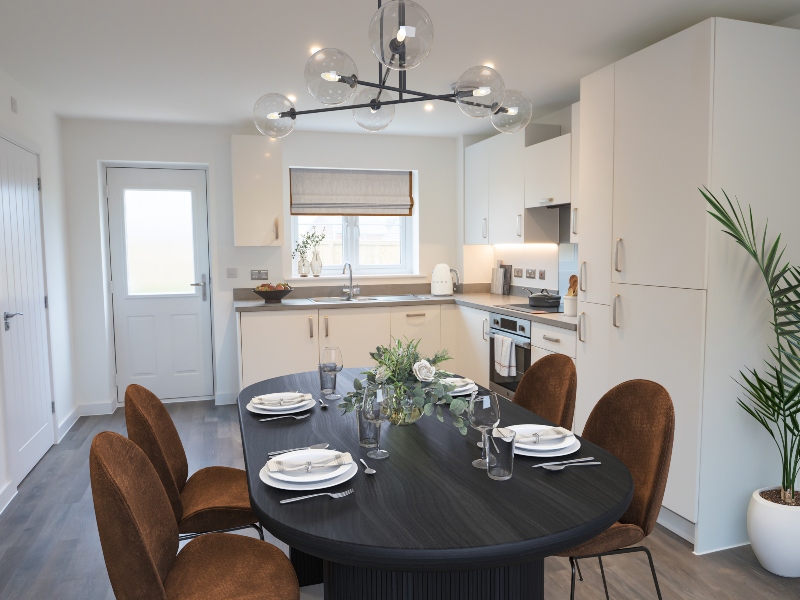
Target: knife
(314,447)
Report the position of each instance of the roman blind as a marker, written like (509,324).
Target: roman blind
(350,192)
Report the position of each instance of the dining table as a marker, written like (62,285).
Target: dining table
(428,525)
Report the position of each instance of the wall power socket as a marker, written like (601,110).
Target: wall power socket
(530,273)
(517,272)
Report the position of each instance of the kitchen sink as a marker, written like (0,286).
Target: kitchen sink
(330,299)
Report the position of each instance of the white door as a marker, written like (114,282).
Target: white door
(158,231)
(476,194)
(506,188)
(659,334)
(596,183)
(594,331)
(25,346)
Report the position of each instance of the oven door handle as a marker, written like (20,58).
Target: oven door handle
(518,341)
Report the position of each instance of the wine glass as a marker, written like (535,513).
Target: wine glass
(377,408)
(483,414)
(329,365)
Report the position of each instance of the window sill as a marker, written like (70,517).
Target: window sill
(356,276)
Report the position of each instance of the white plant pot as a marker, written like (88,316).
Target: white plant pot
(774,531)
(570,306)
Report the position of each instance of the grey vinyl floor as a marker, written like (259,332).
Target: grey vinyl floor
(49,546)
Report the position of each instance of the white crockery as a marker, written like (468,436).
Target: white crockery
(301,487)
(318,474)
(285,410)
(539,454)
(544,446)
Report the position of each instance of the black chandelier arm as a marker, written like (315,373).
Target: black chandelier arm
(405,91)
(294,113)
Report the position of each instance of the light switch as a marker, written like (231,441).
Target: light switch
(232,272)
(541,273)
(264,274)
(530,273)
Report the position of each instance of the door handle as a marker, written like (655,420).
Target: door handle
(581,318)
(483,329)
(582,277)
(547,338)
(485,228)
(277,230)
(415,315)
(574,221)
(7,316)
(311,327)
(616,301)
(616,256)
(202,284)
(326,326)
(519,225)
(545,201)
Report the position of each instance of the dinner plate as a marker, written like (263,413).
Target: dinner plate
(315,474)
(302,487)
(529,428)
(465,391)
(282,410)
(537,454)
(459,382)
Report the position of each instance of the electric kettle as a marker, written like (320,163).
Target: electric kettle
(442,280)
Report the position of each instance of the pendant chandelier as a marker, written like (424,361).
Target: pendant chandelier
(401,37)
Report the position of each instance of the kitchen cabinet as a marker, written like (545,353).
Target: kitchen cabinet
(662,140)
(594,337)
(506,188)
(472,352)
(596,184)
(356,331)
(555,339)
(451,323)
(575,172)
(257,190)
(422,323)
(547,172)
(476,194)
(277,343)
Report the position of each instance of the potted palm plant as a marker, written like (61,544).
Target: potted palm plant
(772,396)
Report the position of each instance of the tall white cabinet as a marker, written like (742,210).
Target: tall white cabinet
(476,194)
(664,295)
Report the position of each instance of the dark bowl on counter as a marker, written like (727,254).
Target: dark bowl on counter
(273,296)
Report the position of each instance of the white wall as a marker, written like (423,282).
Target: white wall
(88,143)
(37,127)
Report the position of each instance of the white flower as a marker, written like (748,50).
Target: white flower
(424,371)
(381,373)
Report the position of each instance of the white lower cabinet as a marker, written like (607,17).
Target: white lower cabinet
(356,331)
(472,351)
(422,323)
(594,332)
(277,343)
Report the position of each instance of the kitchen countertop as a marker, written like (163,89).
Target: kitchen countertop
(487,302)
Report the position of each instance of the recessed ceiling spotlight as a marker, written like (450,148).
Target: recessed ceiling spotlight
(429,107)
(314,49)
(292,98)
(490,65)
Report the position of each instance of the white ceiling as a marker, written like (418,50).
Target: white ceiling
(207,61)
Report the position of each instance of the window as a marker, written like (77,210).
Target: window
(377,245)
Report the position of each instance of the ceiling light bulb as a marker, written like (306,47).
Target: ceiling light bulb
(482,91)
(405,31)
(330,76)
(292,98)
(429,107)
(512,110)
(314,49)
(274,115)
(490,65)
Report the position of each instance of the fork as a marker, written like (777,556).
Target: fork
(334,496)
(305,416)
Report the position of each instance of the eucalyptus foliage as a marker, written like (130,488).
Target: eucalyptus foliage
(772,397)
(310,241)
(395,367)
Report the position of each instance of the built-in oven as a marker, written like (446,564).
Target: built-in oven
(519,330)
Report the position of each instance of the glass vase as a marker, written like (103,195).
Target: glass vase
(404,412)
(316,264)
(303,267)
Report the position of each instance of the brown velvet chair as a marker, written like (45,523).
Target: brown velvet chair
(212,499)
(139,538)
(548,388)
(635,421)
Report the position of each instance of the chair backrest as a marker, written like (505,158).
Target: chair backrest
(138,532)
(548,388)
(635,421)
(152,429)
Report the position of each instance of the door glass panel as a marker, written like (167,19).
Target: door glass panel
(159,242)
(379,243)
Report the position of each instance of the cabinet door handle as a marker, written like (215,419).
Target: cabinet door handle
(483,329)
(581,318)
(311,327)
(519,225)
(415,314)
(575,221)
(545,201)
(616,301)
(277,230)
(326,326)
(547,338)
(582,277)
(616,256)
(485,228)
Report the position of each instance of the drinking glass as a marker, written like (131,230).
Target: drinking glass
(329,365)
(500,453)
(483,414)
(368,431)
(377,408)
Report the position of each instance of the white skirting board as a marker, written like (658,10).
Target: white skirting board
(225,398)
(85,410)
(7,493)
(676,524)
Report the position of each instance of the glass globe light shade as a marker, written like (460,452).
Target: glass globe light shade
(331,76)
(514,113)
(401,34)
(377,117)
(270,116)
(479,91)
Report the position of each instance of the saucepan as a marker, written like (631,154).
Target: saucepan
(542,299)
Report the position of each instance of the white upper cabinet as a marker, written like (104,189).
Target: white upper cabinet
(506,188)
(596,184)
(662,140)
(476,194)
(574,174)
(548,172)
(257,173)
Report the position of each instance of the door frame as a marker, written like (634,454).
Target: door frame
(103,167)
(30,146)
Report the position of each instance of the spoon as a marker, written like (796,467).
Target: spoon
(367,469)
(322,405)
(287,417)
(562,467)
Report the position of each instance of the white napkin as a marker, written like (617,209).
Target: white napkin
(554,434)
(505,357)
(459,382)
(281,399)
(340,458)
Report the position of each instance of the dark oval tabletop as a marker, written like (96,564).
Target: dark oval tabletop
(427,508)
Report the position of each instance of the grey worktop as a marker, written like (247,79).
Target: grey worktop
(481,301)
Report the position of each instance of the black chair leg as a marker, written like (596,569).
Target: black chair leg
(572,563)
(580,575)
(603,573)
(653,570)
(259,529)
